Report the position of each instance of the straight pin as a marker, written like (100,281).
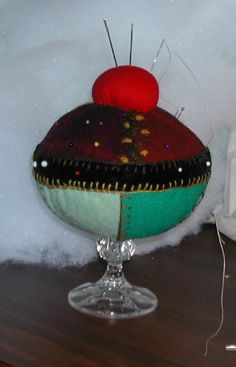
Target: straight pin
(179,112)
(110,41)
(131,43)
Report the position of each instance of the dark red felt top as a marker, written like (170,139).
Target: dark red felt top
(109,134)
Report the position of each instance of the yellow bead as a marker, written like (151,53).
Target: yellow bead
(144,152)
(126,124)
(124,159)
(96,144)
(145,132)
(139,117)
(126,140)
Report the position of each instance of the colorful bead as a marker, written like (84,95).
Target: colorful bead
(126,140)
(208,163)
(77,173)
(44,164)
(145,132)
(180,169)
(167,146)
(34,164)
(126,124)
(144,152)
(96,144)
(87,122)
(139,117)
(124,159)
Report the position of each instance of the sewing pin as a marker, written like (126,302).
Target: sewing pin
(110,41)
(131,42)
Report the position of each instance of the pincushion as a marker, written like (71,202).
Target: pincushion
(122,167)
(128,87)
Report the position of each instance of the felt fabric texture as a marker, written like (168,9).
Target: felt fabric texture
(110,134)
(128,87)
(59,172)
(95,212)
(96,149)
(123,216)
(148,214)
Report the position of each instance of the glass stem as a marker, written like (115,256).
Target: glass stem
(114,274)
(114,270)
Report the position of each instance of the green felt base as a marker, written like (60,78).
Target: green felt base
(151,213)
(123,215)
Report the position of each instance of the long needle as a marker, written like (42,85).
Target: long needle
(131,43)
(109,37)
(157,54)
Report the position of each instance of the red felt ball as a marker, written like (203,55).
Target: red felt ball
(127,87)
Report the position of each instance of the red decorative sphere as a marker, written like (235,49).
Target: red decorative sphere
(127,87)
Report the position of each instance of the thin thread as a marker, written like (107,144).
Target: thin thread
(201,93)
(193,76)
(169,61)
(221,242)
(157,54)
(163,42)
(168,102)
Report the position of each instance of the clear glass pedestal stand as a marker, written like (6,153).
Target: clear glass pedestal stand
(113,297)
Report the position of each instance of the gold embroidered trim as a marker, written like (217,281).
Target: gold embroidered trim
(108,187)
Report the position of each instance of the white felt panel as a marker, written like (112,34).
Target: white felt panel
(96,212)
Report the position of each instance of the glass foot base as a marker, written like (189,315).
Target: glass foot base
(117,301)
